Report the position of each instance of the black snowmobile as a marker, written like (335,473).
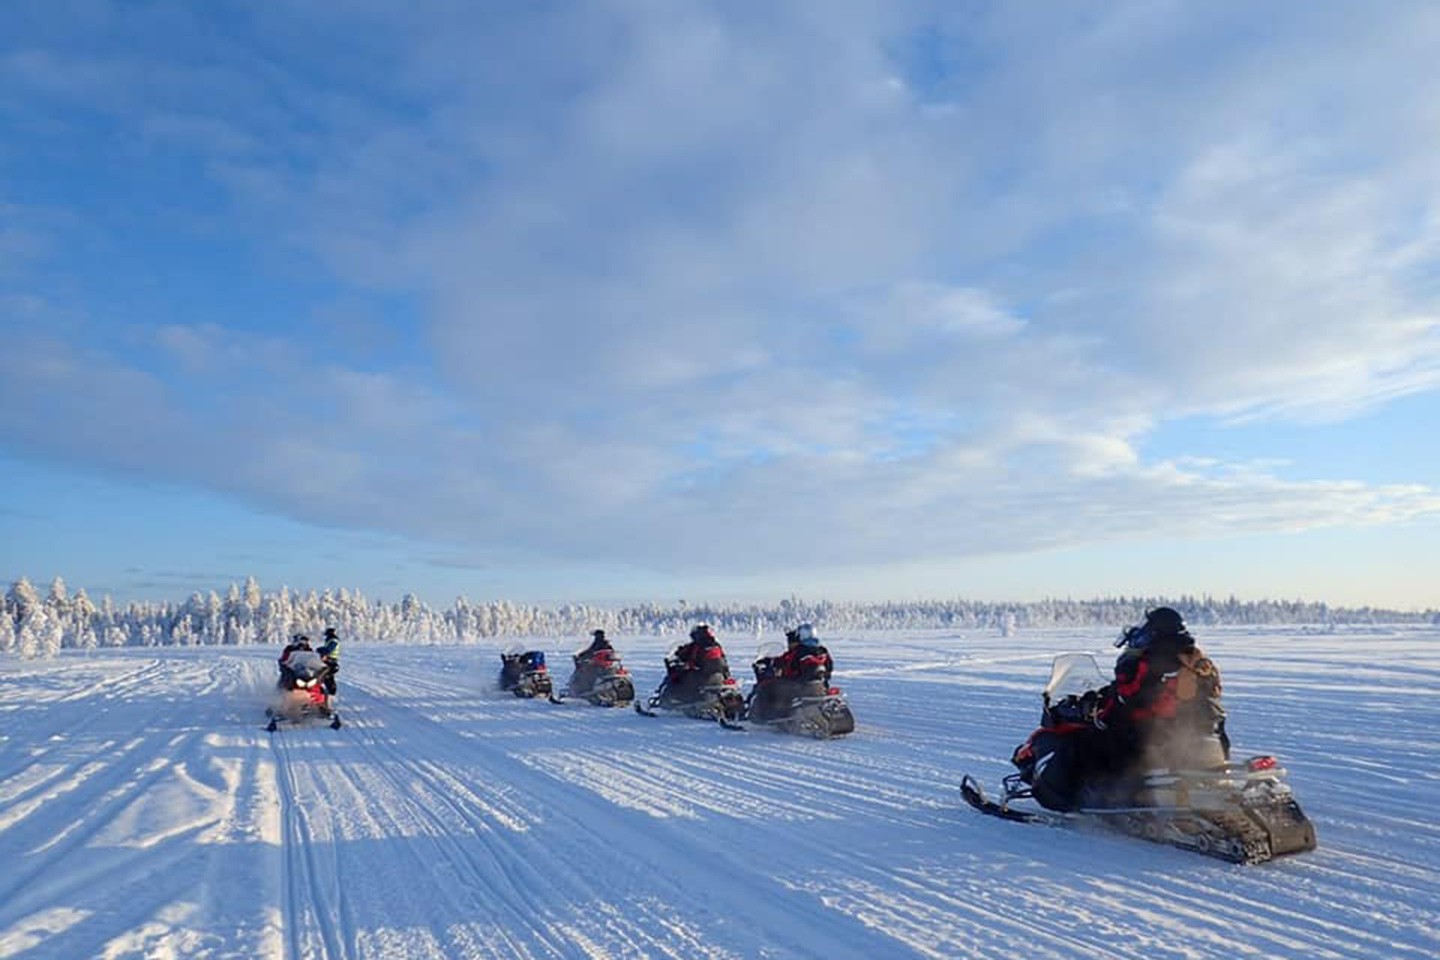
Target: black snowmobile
(302,692)
(523,673)
(600,679)
(704,696)
(1240,812)
(808,707)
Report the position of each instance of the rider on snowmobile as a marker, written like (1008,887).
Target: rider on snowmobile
(1164,705)
(699,663)
(803,670)
(597,643)
(1161,710)
(808,661)
(598,656)
(297,642)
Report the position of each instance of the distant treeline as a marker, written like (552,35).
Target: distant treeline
(32,625)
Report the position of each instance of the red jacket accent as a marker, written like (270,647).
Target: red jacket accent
(711,652)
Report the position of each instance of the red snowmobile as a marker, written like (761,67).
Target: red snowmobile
(302,695)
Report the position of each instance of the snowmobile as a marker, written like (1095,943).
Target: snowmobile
(811,707)
(302,692)
(599,678)
(1238,812)
(713,696)
(523,673)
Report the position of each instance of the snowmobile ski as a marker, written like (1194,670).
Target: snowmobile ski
(974,794)
(274,717)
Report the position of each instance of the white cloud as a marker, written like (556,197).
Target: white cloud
(712,275)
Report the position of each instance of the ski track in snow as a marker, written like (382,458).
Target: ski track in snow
(144,812)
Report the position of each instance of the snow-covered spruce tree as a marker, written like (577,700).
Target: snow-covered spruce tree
(82,624)
(23,604)
(7,634)
(39,633)
(19,600)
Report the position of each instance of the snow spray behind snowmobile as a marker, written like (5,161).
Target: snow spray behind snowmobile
(302,695)
(808,707)
(523,673)
(599,678)
(1239,812)
(703,695)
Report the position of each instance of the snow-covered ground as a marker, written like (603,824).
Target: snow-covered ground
(144,812)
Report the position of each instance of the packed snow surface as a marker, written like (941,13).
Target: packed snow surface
(144,812)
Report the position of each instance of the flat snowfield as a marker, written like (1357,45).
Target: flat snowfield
(145,812)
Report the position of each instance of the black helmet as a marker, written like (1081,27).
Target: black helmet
(301,640)
(1162,623)
(330,634)
(1165,622)
(702,631)
(598,634)
(792,636)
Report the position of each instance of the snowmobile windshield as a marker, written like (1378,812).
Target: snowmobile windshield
(305,664)
(1074,673)
(770,648)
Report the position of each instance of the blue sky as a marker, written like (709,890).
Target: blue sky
(629,301)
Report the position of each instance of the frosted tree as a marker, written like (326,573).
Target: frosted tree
(235,619)
(21,603)
(28,631)
(212,623)
(7,634)
(57,615)
(38,633)
(20,598)
(276,615)
(114,627)
(83,621)
(253,595)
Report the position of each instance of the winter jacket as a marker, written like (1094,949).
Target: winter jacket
(1168,690)
(809,664)
(704,656)
(291,648)
(596,645)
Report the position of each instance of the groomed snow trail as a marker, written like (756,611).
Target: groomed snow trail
(144,812)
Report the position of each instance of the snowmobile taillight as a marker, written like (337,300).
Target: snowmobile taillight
(833,691)
(1257,764)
